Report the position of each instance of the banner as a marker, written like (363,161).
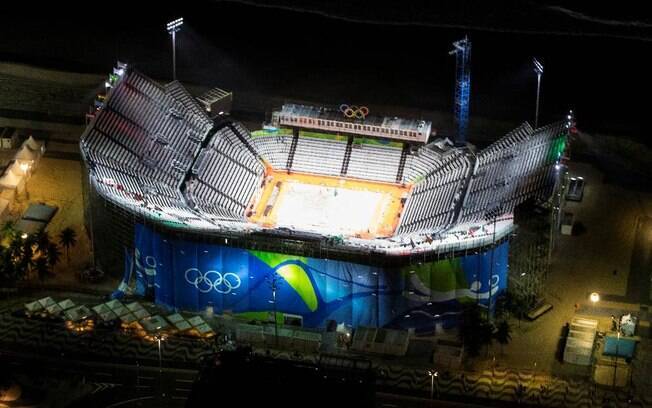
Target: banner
(190,275)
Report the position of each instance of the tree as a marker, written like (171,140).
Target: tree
(53,255)
(7,270)
(474,330)
(7,229)
(43,242)
(42,268)
(503,334)
(26,254)
(67,239)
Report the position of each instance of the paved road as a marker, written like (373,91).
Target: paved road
(638,284)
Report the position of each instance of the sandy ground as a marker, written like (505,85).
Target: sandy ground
(57,182)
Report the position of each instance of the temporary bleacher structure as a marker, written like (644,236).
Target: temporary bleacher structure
(154,150)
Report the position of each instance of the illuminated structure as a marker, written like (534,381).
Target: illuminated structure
(462,54)
(368,224)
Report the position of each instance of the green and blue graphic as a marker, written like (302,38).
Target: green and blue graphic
(190,275)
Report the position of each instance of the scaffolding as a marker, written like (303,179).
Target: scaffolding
(462,52)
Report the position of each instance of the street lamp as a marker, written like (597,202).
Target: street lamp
(172,28)
(160,337)
(433,374)
(594,298)
(538,69)
(273,280)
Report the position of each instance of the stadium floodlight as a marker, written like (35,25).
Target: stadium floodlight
(172,28)
(538,69)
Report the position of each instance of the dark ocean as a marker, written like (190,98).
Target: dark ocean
(596,56)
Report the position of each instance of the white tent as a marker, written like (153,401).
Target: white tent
(27,154)
(66,304)
(77,313)
(55,309)
(11,181)
(46,301)
(154,323)
(179,322)
(35,145)
(34,306)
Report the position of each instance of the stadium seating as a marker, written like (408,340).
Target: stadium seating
(153,149)
(274,149)
(227,174)
(480,187)
(421,163)
(371,162)
(433,200)
(516,167)
(319,156)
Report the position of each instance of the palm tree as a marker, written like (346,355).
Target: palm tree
(7,229)
(53,254)
(26,260)
(43,242)
(474,331)
(42,268)
(503,334)
(67,239)
(7,270)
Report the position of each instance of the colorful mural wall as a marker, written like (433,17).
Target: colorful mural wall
(191,276)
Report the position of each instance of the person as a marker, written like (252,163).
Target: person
(577,307)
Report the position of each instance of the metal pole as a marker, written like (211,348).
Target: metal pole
(616,357)
(491,269)
(536,115)
(275,316)
(432,385)
(160,368)
(174,60)
(556,203)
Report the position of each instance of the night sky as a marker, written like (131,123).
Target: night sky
(595,58)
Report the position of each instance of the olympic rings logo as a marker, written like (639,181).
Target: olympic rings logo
(354,111)
(212,280)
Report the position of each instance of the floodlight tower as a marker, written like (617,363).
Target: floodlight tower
(538,69)
(462,54)
(172,28)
